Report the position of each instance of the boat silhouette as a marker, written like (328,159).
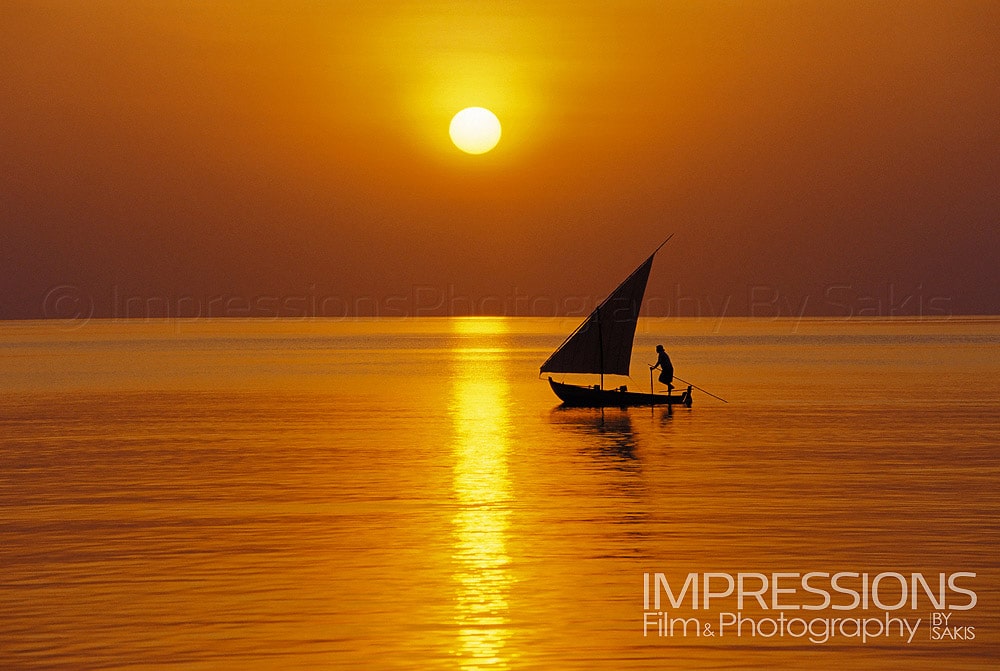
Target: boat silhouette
(602,345)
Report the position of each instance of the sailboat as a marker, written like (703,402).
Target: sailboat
(602,345)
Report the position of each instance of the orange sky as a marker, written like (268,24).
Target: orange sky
(264,158)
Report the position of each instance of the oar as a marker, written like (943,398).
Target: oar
(700,389)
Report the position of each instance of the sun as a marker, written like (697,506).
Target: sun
(475,130)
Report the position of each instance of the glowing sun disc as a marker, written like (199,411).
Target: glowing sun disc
(475,130)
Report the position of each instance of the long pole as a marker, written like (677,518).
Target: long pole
(697,387)
(652,394)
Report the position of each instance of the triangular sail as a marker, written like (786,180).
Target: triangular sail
(603,342)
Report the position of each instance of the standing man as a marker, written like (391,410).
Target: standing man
(666,368)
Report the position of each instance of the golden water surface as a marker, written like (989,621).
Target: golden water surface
(407,494)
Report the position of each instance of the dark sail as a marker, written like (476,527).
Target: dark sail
(603,342)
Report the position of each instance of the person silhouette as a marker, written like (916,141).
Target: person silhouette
(666,368)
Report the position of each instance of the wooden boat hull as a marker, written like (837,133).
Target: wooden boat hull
(579,396)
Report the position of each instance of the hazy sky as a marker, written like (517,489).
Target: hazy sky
(249,157)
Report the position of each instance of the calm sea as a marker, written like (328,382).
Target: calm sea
(407,495)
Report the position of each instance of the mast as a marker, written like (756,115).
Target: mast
(600,346)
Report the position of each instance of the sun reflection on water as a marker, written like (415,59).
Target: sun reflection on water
(482,489)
